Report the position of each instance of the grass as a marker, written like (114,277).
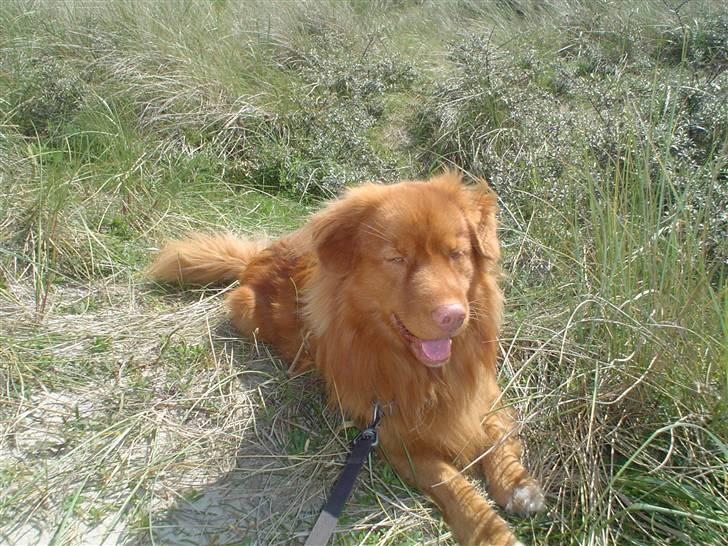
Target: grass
(134,414)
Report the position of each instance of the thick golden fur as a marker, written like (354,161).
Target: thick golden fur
(358,293)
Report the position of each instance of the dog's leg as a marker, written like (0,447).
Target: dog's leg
(509,483)
(472,520)
(241,302)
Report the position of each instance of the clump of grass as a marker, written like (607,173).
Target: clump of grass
(134,414)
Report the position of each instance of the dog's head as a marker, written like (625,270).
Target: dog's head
(409,256)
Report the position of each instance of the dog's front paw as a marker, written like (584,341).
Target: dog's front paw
(526,499)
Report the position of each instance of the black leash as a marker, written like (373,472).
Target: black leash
(361,447)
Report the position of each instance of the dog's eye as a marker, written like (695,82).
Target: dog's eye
(397,260)
(457,254)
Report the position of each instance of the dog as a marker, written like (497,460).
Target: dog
(391,294)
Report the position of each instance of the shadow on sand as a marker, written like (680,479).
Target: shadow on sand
(287,460)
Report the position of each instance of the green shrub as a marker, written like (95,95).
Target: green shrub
(702,43)
(47,91)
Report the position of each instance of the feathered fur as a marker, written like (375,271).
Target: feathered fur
(352,294)
(204,259)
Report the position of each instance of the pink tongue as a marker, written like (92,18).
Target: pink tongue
(437,349)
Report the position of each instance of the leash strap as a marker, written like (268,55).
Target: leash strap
(362,446)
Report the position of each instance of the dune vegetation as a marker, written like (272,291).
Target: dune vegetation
(133,414)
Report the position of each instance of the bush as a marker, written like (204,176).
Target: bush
(47,92)
(702,44)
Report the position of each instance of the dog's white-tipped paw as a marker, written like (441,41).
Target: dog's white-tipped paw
(526,499)
(518,543)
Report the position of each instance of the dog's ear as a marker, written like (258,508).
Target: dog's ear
(335,231)
(482,221)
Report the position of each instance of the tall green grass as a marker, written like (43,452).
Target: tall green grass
(604,128)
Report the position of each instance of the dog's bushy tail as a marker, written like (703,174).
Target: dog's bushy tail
(204,259)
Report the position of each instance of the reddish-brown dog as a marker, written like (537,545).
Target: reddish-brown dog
(391,294)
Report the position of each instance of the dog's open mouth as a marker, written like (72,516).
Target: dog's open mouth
(431,352)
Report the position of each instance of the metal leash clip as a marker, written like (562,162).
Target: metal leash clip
(370,434)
